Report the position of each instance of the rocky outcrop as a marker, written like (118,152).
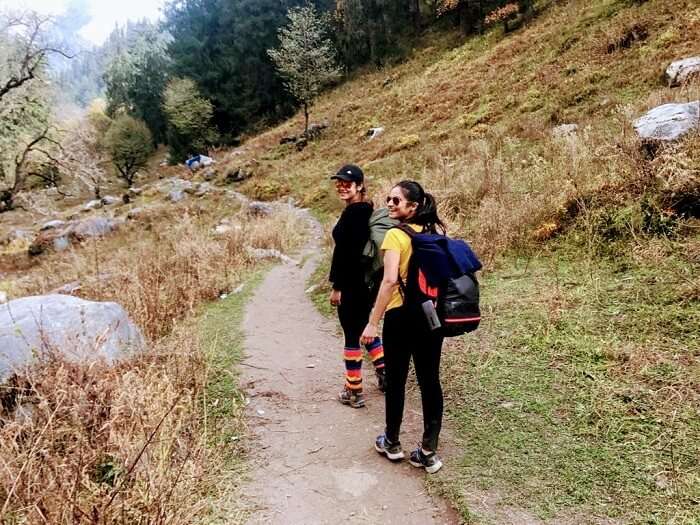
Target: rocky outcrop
(683,71)
(669,122)
(76,329)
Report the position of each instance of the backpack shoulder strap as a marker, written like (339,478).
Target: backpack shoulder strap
(406,229)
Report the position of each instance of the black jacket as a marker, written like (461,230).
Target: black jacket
(350,236)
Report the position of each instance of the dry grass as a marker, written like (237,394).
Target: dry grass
(132,443)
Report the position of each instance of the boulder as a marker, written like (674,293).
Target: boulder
(682,71)
(95,227)
(669,122)
(74,328)
(564,130)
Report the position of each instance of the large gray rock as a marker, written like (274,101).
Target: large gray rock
(77,329)
(669,122)
(95,227)
(682,71)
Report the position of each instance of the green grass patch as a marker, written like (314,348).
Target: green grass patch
(581,391)
(222,339)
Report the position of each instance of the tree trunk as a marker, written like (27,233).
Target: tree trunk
(6,200)
(306,119)
(414,10)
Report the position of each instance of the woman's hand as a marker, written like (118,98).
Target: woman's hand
(335,297)
(370,334)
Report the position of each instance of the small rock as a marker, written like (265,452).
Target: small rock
(223,296)
(312,289)
(223,229)
(95,204)
(110,200)
(373,133)
(310,366)
(209,175)
(61,244)
(176,195)
(260,412)
(202,189)
(682,71)
(134,191)
(669,122)
(564,130)
(67,289)
(135,213)
(53,225)
(259,209)
(260,254)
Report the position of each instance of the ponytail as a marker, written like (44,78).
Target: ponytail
(426,213)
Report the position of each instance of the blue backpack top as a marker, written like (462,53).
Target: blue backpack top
(441,272)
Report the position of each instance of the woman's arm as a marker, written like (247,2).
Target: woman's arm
(389,283)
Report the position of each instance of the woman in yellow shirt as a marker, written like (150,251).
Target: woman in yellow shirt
(406,333)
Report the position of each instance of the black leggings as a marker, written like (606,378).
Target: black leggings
(406,335)
(353,313)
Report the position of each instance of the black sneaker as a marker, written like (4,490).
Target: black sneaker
(381,379)
(354,399)
(430,462)
(391,450)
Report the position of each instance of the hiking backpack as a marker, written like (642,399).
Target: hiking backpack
(441,281)
(379,224)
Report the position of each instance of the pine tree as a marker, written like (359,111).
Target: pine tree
(306,57)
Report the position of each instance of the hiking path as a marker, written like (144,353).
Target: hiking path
(313,460)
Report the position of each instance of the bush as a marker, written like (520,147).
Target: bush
(190,127)
(129,143)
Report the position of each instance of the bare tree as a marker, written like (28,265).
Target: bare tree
(83,159)
(27,138)
(24,59)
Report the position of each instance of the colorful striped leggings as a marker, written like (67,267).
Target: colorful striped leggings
(353,313)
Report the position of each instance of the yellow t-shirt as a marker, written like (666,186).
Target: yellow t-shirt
(399,241)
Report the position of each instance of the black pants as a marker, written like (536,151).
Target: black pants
(406,335)
(353,313)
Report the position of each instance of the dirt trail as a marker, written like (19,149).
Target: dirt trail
(313,459)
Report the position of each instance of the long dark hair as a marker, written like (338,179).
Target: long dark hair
(426,213)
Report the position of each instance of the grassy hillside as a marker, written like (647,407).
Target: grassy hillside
(578,399)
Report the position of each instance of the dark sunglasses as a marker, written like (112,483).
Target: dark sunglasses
(395,200)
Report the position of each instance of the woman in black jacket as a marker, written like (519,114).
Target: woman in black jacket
(350,292)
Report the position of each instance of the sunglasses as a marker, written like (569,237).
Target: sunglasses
(394,200)
(343,184)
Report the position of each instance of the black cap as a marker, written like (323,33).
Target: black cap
(350,173)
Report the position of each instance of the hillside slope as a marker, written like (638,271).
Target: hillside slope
(578,399)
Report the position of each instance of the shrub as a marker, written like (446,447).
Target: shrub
(130,144)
